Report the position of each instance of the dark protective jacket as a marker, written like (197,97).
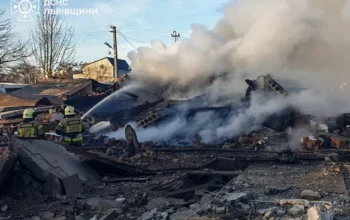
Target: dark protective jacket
(30,129)
(71,128)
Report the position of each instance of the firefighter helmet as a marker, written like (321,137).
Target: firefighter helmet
(28,113)
(69,110)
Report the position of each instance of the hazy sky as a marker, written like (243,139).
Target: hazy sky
(141,21)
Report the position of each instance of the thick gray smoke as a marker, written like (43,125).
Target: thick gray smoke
(306,42)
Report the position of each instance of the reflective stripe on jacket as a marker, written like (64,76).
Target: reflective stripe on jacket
(71,129)
(77,139)
(33,129)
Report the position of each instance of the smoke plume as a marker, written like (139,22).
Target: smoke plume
(304,42)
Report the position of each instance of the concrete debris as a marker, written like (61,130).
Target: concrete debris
(220,210)
(230,197)
(79,218)
(50,163)
(120,200)
(111,214)
(183,215)
(296,209)
(72,185)
(100,203)
(164,215)
(163,202)
(47,215)
(310,195)
(264,174)
(4,208)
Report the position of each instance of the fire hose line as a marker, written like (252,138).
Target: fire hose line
(216,195)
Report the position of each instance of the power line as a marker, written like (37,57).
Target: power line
(126,39)
(144,42)
(97,32)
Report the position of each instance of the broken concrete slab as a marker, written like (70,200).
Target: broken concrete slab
(111,214)
(72,185)
(230,197)
(50,162)
(162,202)
(183,215)
(100,203)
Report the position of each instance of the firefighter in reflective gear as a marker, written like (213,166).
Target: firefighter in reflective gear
(30,128)
(71,128)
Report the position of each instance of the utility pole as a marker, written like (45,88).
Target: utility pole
(176,36)
(115,49)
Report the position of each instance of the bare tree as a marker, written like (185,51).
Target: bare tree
(52,41)
(12,50)
(25,73)
(22,72)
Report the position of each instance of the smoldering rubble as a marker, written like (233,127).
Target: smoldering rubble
(203,131)
(251,156)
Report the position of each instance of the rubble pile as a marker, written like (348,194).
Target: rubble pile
(271,172)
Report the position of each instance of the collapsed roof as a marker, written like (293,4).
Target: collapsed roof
(54,88)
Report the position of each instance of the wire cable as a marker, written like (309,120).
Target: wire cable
(126,39)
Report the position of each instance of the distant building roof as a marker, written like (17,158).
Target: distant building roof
(122,64)
(8,100)
(52,88)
